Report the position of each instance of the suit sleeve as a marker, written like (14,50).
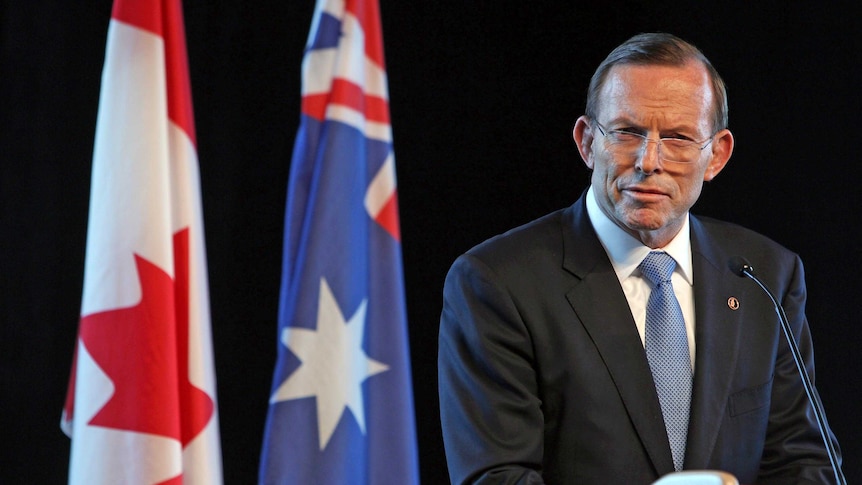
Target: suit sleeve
(491,416)
(794,446)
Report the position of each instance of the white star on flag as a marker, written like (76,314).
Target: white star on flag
(334,366)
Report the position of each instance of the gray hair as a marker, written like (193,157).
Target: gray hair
(658,49)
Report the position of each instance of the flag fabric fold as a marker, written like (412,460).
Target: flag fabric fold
(341,406)
(141,406)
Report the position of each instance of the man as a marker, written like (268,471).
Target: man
(552,362)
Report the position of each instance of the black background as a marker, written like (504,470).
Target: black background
(483,99)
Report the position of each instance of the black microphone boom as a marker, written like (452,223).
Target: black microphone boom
(743,269)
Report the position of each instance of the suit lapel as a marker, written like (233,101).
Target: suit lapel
(601,307)
(716,335)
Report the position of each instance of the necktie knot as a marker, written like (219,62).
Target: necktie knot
(658,267)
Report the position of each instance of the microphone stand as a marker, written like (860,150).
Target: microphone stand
(744,269)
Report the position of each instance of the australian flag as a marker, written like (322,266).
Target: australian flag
(341,407)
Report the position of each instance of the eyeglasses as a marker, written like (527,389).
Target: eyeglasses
(628,144)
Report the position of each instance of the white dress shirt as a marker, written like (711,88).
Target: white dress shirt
(626,254)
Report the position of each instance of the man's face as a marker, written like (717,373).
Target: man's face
(644,194)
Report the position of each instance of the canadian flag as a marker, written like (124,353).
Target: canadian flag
(141,406)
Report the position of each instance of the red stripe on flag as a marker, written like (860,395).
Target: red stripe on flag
(178,480)
(314,105)
(196,406)
(367,12)
(377,109)
(348,94)
(177,69)
(388,217)
(165,19)
(144,15)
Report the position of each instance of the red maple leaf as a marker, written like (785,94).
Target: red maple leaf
(144,350)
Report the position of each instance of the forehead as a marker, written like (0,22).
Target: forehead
(678,93)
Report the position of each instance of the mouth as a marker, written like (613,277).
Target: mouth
(645,194)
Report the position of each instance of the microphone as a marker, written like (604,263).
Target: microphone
(742,268)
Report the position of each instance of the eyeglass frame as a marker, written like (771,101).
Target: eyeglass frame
(659,142)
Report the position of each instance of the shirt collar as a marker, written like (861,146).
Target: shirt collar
(626,252)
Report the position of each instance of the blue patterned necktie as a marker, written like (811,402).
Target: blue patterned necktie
(667,351)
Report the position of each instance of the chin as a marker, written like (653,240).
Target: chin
(639,221)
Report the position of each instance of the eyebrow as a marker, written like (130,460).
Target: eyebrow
(628,122)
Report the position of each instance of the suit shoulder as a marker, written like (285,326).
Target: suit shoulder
(731,230)
(518,262)
(742,241)
(538,233)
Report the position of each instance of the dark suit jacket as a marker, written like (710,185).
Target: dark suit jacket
(544,379)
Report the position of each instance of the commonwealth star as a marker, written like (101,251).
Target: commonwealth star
(334,365)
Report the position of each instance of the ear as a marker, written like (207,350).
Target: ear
(722,148)
(583,135)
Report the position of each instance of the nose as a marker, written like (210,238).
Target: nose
(649,160)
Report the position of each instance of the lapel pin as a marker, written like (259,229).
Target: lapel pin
(733,303)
